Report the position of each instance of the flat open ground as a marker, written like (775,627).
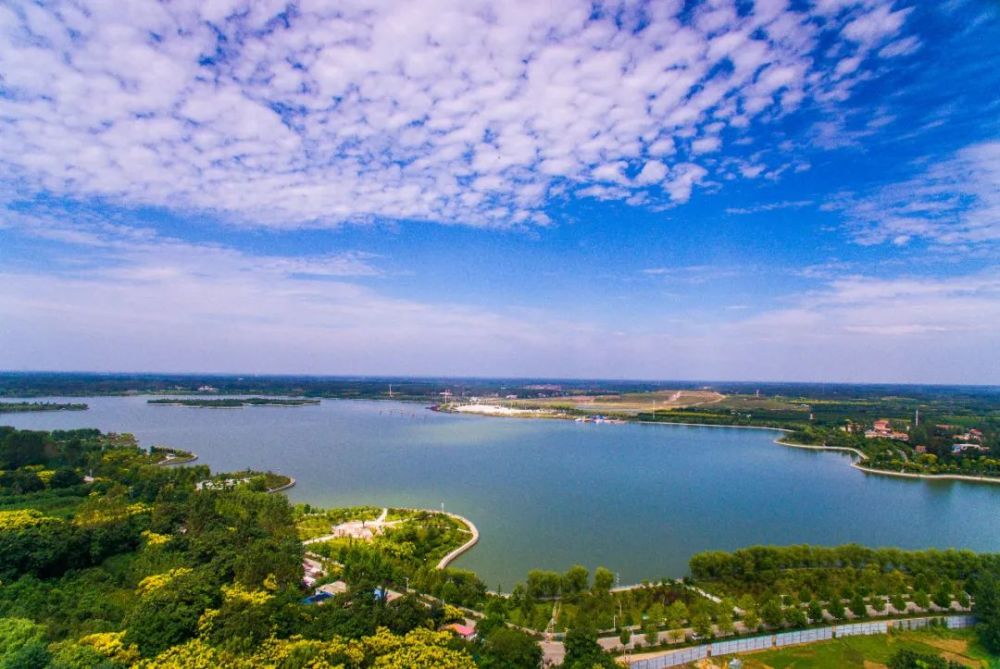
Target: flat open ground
(873,652)
(627,403)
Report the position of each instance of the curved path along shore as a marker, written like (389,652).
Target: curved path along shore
(452,556)
(381,522)
(280,488)
(170,460)
(885,472)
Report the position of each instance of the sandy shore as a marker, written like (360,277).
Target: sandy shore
(497,410)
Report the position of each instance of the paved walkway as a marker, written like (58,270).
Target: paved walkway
(355,527)
(473,540)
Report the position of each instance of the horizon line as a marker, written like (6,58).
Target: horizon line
(445,377)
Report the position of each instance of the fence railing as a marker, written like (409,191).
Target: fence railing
(682,656)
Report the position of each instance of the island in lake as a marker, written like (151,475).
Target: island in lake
(234,402)
(18,407)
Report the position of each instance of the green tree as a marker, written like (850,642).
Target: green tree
(33,655)
(857,605)
(701,622)
(64,478)
(169,615)
(724,621)
(22,447)
(751,620)
(625,635)
(987,610)
(963,599)
(942,597)
(17,633)
(604,580)
(771,613)
(575,581)
(796,617)
(815,611)
(651,633)
(676,614)
(836,609)
(507,648)
(583,651)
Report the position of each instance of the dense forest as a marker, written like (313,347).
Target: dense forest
(129,565)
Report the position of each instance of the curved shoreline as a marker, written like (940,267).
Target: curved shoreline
(170,462)
(931,477)
(888,472)
(280,488)
(458,552)
(813,447)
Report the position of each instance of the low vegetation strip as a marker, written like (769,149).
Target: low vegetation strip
(23,407)
(232,402)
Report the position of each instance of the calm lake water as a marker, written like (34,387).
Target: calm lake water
(639,499)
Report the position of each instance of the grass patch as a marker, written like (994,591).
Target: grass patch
(863,652)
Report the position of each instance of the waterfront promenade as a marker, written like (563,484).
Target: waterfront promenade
(473,540)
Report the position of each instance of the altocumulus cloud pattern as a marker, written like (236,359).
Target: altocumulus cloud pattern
(465,112)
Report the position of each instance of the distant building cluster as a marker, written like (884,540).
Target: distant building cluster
(964,442)
(225,484)
(882,429)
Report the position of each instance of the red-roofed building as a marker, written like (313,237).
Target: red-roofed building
(465,631)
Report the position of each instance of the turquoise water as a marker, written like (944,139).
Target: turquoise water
(639,499)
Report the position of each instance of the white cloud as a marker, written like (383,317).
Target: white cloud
(770,206)
(862,328)
(452,111)
(952,201)
(652,172)
(878,24)
(682,180)
(705,145)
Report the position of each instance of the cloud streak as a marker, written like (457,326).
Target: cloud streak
(951,201)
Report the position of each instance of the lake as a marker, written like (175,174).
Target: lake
(639,499)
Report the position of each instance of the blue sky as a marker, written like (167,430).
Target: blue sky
(761,190)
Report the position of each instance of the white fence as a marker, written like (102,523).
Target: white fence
(682,656)
(861,629)
(674,658)
(803,636)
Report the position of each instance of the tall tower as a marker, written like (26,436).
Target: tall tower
(916,418)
